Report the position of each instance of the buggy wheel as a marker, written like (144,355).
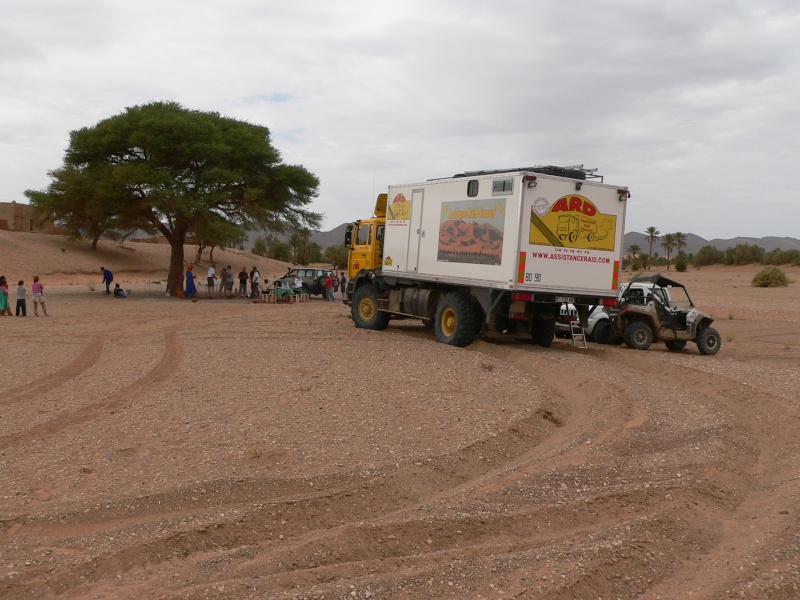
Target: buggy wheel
(601,332)
(675,345)
(456,323)
(365,311)
(638,335)
(708,341)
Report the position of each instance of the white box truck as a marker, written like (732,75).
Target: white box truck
(495,251)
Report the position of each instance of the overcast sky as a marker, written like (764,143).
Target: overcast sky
(693,105)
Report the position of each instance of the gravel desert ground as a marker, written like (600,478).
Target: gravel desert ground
(153,447)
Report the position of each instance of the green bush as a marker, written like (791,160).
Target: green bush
(744,254)
(680,263)
(781,257)
(770,276)
(709,255)
(260,247)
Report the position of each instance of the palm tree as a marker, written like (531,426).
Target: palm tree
(680,241)
(652,236)
(633,250)
(668,243)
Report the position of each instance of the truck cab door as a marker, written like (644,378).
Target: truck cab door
(362,252)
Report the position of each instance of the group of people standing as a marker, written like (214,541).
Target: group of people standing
(334,283)
(226,278)
(37,289)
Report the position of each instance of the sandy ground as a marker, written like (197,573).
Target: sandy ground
(160,448)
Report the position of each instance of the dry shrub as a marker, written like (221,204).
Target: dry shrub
(770,277)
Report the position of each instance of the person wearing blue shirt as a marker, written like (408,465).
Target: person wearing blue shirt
(108,277)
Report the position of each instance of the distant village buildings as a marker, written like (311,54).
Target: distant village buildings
(23,217)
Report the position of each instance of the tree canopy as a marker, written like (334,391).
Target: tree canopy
(165,167)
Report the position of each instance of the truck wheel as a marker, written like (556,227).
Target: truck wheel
(638,335)
(708,341)
(456,322)
(675,345)
(573,236)
(601,332)
(543,332)
(365,311)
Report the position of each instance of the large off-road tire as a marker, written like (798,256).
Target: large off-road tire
(638,335)
(601,332)
(675,345)
(456,321)
(708,341)
(365,311)
(543,332)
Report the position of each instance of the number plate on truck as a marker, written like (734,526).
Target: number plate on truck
(566,299)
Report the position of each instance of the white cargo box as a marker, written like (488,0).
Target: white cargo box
(523,231)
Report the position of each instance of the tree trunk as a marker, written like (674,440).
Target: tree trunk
(95,239)
(175,277)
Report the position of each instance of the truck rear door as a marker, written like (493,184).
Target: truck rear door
(571,237)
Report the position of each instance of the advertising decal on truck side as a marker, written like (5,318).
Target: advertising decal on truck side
(572,221)
(471,231)
(399,210)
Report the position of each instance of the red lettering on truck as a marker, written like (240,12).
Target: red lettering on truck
(575,204)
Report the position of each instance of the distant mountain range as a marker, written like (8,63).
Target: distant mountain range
(693,242)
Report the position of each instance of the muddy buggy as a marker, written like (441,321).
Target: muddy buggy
(645,317)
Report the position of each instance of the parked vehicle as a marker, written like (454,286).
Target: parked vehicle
(598,327)
(481,252)
(641,320)
(313,280)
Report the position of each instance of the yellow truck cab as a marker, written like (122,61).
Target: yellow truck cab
(364,241)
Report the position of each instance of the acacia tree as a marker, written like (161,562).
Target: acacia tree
(80,201)
(166,167)
(215,233)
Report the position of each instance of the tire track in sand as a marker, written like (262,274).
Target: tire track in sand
(82,363)
(174,354)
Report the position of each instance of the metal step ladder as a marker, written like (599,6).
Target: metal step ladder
(577,333)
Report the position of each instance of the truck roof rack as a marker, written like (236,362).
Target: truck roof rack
(572,172)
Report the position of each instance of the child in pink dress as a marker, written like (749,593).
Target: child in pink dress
(38,297)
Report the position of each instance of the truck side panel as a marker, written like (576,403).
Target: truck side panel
(434,231)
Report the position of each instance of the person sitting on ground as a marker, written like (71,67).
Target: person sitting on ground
(118,292)
(298,283)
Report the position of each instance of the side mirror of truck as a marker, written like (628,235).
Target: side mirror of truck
(348,236)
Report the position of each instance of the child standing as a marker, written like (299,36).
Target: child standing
(4,301)
(38,297)
(22,310)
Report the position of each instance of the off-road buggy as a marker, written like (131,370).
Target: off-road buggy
(644,317)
